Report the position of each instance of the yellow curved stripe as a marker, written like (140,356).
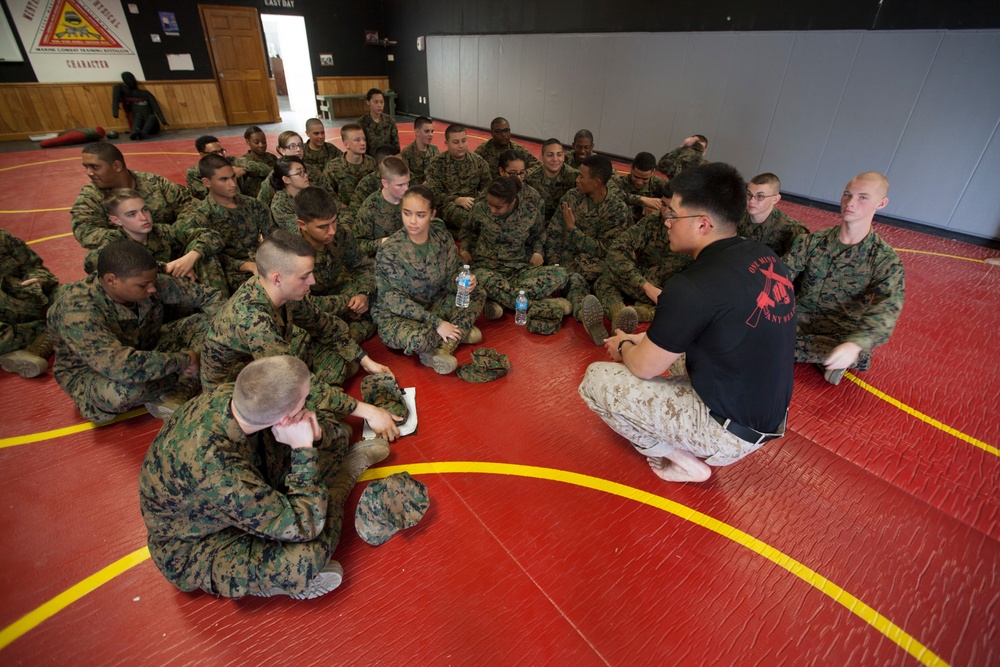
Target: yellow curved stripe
(939,254)
(913,412)
(49,238)
(67,430)
(70,595)
(32,164)
(37,210)
(814,579)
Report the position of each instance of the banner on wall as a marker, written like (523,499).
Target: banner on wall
(76,40)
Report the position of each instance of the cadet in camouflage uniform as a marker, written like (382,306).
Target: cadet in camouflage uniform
(347,170)
(553,178)
(209,145)
(26,290)
(189,253)
(371,183)
(689,154)
(456,177)
(290,145)
(240,221)
(848,284)
(583,148)
(113,351)
(763,222)
(345,283)
(380,129)
(289,178)
(379,217)
(415,275)
(640,189)
(419,154)
(503,242)
(273,315)
(317,153)
(579,234)
(230,509)
(257,143)
(105,166)
(500,142)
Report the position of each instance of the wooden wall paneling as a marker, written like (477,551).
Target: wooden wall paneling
(344,85)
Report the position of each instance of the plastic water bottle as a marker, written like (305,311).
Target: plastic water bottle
(464,288)
(521,309)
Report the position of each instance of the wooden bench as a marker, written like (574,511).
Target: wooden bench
(326,103)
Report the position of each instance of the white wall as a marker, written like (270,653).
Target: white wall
(293,47)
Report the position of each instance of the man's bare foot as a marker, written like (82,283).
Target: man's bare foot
(679,467)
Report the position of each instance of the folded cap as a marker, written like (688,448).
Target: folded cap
(388,506)
(487,364)
(544,318)
(382,390)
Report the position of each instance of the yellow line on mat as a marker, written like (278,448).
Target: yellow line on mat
(939,254)
(66,430)
(49,238)
(37,210)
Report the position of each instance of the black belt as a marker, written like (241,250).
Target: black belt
(746,433)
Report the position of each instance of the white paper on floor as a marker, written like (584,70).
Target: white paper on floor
(408,426)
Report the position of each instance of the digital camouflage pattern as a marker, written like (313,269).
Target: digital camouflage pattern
(552,189)
(167,202)
(249,183)
(416,291)
(487,365)
(253,183)
(367,186)
(382,390)
(844,295)
(342,272)
(544,317)
(382,133)
(388,506)
(777,232)
(418,162)
(111,357)
(318,160)
(249,327)
(235,514)
(626,190)
(316,177)
(679,159)
(375,220)
(582,250)
(283,212)
(490,151)
(22,309)
(242,229)
(345,176)
(449,179)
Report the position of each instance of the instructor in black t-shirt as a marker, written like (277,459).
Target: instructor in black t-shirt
(724,327)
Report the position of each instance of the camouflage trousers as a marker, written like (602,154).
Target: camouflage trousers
(612,296)
(362,326)
(331,368)
(503,284)
(100,399)
(22,315)
(455,217)
(413,337)
(233,563)
(577,289)
(816,336)
(661,415)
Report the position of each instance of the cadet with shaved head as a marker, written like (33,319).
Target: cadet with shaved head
(764,222)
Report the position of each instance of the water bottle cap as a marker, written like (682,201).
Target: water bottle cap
(521,292)
(465,266)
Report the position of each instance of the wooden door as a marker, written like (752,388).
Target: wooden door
(237,49)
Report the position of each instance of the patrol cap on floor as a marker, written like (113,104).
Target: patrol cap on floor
(382,390)
(544,318)
(487,364)
(389,506)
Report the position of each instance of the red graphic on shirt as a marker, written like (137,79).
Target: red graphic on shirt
(777,291)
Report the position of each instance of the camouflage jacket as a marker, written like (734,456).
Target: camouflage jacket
(242,229)
(319,160)
(91,332)
(382,133)
(679,159)
(490,152)
(625,188)
(583,249)
(859,288)
(375,220)
(166,200)
(366,186)
(267,158)
(506,242)
(203,475)
(552,189)
(339,262)
(167,243)
(418,162)
(571,160)
(19,305)
(777,232)
(316,177)
(410,279)
(449,178)
(283,212)
(249,183)
(344,176)
(642,254)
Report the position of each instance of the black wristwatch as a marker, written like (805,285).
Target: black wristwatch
(623,341)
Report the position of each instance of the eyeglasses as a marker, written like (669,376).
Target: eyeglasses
(220,152)
(296,174)
(519,174)
(759,196)
(505,130)
(293,147)
(673,216)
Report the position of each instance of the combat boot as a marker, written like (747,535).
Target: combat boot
(32,361)
(645,312)
(592,316)
(441,359)
(624,318)
(493,310)
(473,337)
(564,304)
(168,403)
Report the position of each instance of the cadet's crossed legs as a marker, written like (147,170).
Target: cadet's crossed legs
(816,336)
(538,282)
(413,337)
(612,297)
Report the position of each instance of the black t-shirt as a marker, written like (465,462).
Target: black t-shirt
(732,311)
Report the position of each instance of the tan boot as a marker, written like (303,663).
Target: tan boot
(625,319)
(493,310)
(645,312)
(566,306)
(592,315)
(168,403)
(441,359)
(473,337)
(32,361)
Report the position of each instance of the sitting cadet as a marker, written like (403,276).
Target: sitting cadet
(456,177)
(689,154)
(416,274)
(273,315)
(641,189)
(26,291)
(345,283)
(371,183)
(181,251)
(419,154)
(578,236)
(848,284)
(499,142)
(553,178)
(583,148)
(289,178)
(378,218)
(290,145)
(317,153)
(637,266)
(345,171)
(503,242)
(106,169)
(229,510)
(379,128)
(764,222)
(113,350)
(209,145)
(257,152)
(509,163)
(241,221)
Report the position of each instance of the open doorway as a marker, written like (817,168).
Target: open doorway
(288,50)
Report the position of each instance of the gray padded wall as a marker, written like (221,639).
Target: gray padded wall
(814,107)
